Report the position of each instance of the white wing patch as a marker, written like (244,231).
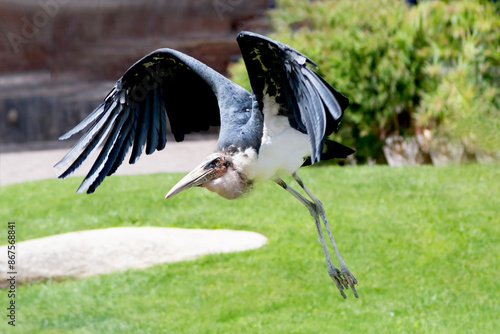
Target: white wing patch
(282,149)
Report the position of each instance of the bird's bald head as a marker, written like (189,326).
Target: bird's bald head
(217,173)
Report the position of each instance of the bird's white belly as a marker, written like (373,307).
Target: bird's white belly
(282,150)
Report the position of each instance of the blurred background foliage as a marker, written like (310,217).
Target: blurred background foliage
(432,68)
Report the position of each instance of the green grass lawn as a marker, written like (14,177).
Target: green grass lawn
(423,242)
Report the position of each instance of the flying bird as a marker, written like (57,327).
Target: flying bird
(279,126)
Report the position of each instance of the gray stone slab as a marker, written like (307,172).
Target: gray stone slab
(92,252)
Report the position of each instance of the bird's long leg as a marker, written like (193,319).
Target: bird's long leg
(333,271)
(349,279)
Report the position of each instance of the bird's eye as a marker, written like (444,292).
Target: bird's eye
(212,164)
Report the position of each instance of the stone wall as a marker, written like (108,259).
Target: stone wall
(99,39)
(51,49)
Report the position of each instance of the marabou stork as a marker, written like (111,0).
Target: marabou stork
(277,128)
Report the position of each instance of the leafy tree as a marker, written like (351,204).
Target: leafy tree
(404,69)
(460,44)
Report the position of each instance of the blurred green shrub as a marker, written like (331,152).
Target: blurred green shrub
(460,46)
(434,66)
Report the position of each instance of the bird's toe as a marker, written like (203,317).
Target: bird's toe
(349,280)
(337,278)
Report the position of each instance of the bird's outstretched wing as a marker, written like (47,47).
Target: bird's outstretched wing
(164,84)
(279,74)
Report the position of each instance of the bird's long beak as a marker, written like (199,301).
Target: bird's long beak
(197,177)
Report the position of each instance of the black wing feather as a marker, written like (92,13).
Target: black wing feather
(142,135)
(154,130)
(119,151)
(99,171)
(86,145)
(163,125)
(332,150)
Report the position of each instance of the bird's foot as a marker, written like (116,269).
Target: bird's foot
(343,279)
(349,280)
(337,278)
